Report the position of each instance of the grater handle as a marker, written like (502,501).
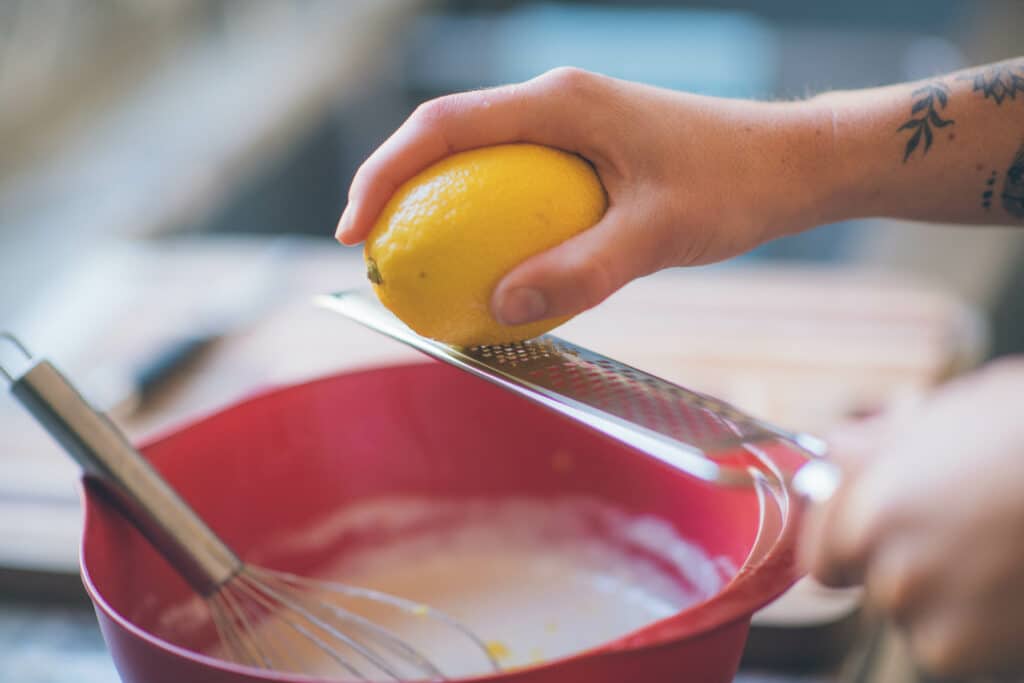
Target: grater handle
(106,456)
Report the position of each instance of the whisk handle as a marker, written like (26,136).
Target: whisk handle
(106,456)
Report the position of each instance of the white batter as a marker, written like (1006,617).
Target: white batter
(529,577)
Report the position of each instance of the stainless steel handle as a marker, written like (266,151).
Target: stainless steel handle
(106,456)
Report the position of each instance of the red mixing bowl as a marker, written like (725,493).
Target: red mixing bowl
(277,463)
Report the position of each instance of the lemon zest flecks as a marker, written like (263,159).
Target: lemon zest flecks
(497,649)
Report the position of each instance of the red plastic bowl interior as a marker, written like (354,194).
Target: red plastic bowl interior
(279,462)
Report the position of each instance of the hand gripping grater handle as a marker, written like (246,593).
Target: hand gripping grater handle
(693,432)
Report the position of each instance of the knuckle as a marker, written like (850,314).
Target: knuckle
(850,533)
(571,79)
(834,571)
(822,568)
(829,562)
(433,112)
(596,281)
(899,588)
(900,594)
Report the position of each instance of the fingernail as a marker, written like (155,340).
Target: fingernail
(523,305)
(343,227)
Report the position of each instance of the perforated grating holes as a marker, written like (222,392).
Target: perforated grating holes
(621,391)
(516,353)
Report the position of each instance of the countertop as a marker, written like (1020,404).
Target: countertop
(62,644)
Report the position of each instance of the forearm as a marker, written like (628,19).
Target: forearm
(692,179)
(948,149)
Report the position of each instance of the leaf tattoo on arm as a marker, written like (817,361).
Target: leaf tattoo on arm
(925,115)
(998,82)
(1013,187)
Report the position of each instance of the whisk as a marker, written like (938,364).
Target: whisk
(264,618)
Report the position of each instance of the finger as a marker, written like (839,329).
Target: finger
(579,273)
(900,578)
(817,553)
(840,535)
(546,110)
(818,517)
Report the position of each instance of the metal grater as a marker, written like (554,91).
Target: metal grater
(693,432)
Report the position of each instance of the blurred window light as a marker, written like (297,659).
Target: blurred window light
(930,56)
(717,53)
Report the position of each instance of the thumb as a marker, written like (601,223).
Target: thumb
(575,275)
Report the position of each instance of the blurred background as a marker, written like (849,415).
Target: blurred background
(167,167)
(162,117)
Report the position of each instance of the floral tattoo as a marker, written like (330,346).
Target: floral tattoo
(928,101)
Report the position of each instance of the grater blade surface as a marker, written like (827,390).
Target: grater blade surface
(691,431)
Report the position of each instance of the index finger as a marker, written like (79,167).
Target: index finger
(535,111)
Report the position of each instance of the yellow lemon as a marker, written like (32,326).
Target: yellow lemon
(450,233)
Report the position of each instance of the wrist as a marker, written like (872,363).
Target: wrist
(803,165)
(775,158)
(859,179)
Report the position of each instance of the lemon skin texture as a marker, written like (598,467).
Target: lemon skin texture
(448,235)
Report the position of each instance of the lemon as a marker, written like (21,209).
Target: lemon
(449,234)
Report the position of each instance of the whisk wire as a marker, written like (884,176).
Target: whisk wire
(384,637)
(242,630)
(256,592)
(226,631)
(320,615)
(408,606)
(280,656)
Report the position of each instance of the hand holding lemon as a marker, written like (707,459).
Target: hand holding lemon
(514,235)
(449,234)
